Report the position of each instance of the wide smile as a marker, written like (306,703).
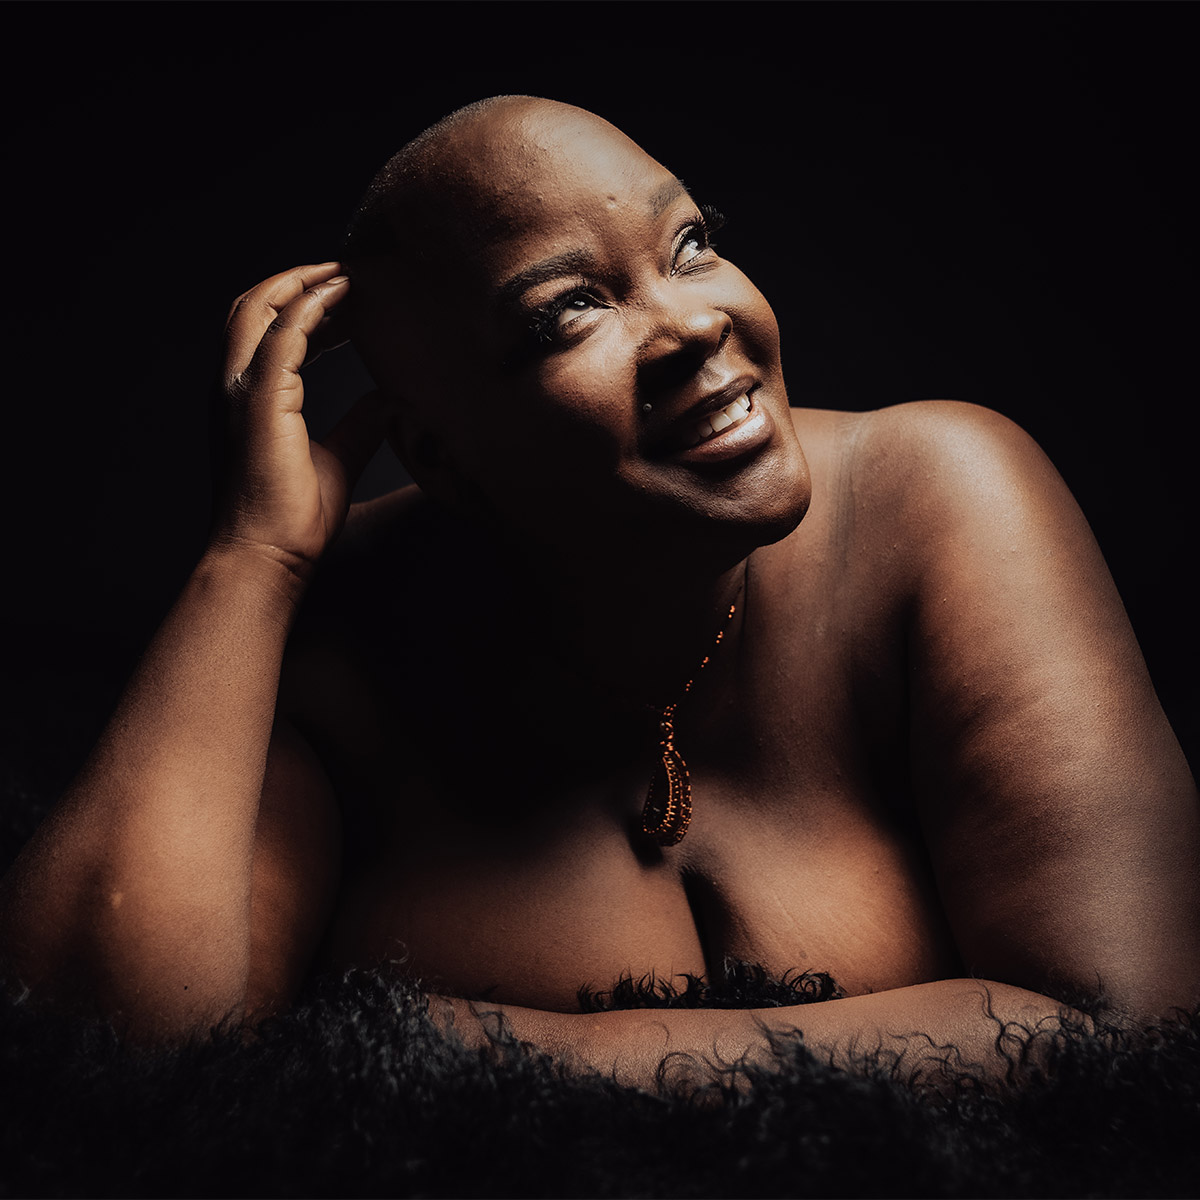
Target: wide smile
(718,422)
(741,427)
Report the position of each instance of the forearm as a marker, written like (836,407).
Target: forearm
(138,884)
(956,1020)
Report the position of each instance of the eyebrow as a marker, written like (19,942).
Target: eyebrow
(578,262)
(666,195)
(573,262)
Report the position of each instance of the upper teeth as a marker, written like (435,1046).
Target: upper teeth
(731,414)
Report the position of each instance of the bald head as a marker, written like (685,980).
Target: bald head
(463,184)
(419,183)
(446,179)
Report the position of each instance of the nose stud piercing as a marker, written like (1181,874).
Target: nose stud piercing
(647,408)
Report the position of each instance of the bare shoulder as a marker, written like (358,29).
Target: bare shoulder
(926,453)
(934,425)
(1060,816)
(933,487)
(986,523)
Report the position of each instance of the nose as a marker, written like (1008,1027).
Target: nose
(686,331)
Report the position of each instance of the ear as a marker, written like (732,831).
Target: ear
(426,458)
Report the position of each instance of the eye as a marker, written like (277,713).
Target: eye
(576,303)
(694,243)
(551,321)
(696,238)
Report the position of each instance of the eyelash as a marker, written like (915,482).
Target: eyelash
(542,324)
(543,319)
(711,219)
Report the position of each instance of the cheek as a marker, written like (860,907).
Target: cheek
(591,388)
(581,404)
(558,430)
(755,318)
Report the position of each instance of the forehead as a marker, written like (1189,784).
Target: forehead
(527,180)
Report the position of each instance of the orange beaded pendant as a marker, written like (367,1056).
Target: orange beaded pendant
(668,808)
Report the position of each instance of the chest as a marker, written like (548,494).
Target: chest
(495,844)
(793,860)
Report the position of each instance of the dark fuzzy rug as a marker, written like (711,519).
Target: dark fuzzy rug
(354,1093)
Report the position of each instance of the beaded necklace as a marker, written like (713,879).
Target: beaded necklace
(668,808)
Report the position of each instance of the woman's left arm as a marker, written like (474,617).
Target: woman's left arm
(972,1024)
(1060,815)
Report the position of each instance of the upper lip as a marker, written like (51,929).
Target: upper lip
(664,430)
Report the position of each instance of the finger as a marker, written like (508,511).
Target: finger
(279,289)
(274,369)
(352,442)
(252,313)
(332,332)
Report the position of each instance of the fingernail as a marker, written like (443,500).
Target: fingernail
(338,279)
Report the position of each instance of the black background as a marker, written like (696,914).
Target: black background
(986,202)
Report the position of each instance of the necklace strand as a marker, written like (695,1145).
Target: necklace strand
(668,808)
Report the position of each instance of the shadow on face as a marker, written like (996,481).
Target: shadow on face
(544,300)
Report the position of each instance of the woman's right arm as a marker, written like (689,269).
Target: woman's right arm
(135,894)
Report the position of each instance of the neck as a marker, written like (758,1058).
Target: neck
(640,633)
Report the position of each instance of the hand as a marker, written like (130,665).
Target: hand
(284,492)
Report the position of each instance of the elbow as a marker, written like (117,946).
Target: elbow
(100,957)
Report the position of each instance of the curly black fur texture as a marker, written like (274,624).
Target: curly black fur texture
(354,1092)
(742,985)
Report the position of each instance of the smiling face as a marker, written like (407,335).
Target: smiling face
(604,380)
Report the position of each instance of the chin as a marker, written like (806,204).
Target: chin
(761,504)
(692,521)
(731,541)
(715,527)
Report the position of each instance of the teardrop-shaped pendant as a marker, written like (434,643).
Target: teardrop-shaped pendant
(668,808)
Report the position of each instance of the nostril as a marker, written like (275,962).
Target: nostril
(680,345)
(673,370)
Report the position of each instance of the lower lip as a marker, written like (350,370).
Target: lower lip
(743,438)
